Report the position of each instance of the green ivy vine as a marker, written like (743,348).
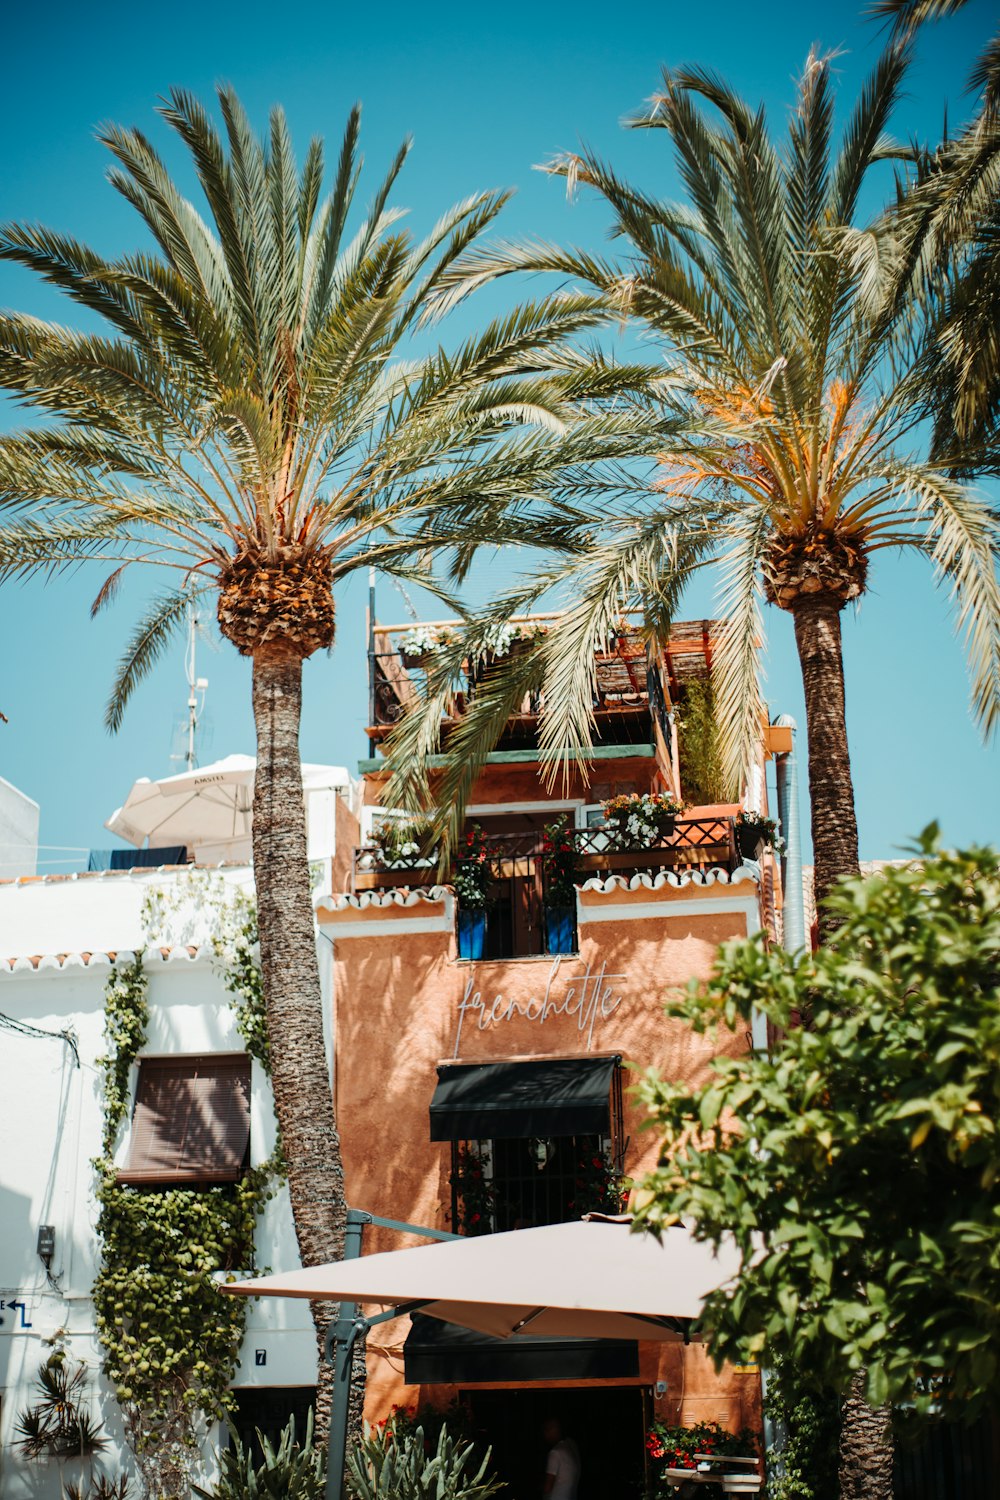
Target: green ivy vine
(126,1016)
(170,1342)
(235,943)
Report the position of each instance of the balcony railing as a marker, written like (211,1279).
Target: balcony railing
(622,675)
(516,924)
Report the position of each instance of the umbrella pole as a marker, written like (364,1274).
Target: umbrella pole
(343,1332)
(340,1339)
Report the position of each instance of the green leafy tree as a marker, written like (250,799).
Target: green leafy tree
(856,1167)
(245,422)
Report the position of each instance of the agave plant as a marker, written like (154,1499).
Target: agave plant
(292,1471)
(387,1465)
(98,1487)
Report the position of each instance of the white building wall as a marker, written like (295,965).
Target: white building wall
(18,832)
(50,1131)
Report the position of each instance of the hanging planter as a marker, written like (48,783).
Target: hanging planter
(417,648)
(471,928)
(560,929)
(754,834)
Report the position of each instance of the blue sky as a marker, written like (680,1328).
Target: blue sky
(486,92)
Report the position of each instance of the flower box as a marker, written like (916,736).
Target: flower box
(632,859)
(754,833)
(377,880)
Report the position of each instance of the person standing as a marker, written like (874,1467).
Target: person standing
(562,1467)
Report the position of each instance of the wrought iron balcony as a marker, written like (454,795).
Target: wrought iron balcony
(517,899)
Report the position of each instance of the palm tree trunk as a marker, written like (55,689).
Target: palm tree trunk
(290,971)
(865,1458)
(831,790)
(865,1447)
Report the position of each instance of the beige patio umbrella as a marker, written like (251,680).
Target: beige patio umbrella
(592,1278)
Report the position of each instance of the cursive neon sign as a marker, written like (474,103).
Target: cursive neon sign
(588,997)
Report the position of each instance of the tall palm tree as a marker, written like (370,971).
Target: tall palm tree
(246,424)
(794,364)
(793,367)
(949,219)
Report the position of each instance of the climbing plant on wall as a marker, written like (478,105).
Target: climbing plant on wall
(203,909)
(170,1342)
(702,779)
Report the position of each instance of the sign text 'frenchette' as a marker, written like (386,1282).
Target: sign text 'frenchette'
(587,996)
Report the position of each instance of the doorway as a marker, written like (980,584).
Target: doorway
(607,1423)
(266,1410)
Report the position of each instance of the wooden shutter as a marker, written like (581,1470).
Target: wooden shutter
(191,1122)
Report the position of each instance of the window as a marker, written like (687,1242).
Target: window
(191,1123)
(264,1412)
(534,1141)
(521,1183)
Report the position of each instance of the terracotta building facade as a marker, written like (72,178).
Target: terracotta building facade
(485,1059)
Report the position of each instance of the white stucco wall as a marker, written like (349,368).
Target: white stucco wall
(18,832)
(50,1127)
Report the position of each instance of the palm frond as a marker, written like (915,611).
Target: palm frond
(145,647)
(736,661)
(964,543)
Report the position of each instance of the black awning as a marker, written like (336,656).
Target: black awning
(544,1097)
(437,1353)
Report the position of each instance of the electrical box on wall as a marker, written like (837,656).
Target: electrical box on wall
(46,1244)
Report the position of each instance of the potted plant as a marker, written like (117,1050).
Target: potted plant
(418,645)
(597,1187)
(674,1451)
(405,843)
(475,1194)
(752,831)
(560,861)
(472,881)
(638,820)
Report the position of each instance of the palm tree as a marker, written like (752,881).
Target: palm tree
(793,367)
(794,364)
(245,424)
(949,219)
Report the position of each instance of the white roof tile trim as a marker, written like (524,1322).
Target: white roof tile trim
(137,872)
(39,963)
(410,896)
(744,875)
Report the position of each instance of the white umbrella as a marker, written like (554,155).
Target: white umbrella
(209,809)
(592,1278)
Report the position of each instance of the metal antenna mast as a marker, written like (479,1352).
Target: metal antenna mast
(197,687)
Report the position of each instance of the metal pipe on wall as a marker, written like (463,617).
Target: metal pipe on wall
(793,926)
